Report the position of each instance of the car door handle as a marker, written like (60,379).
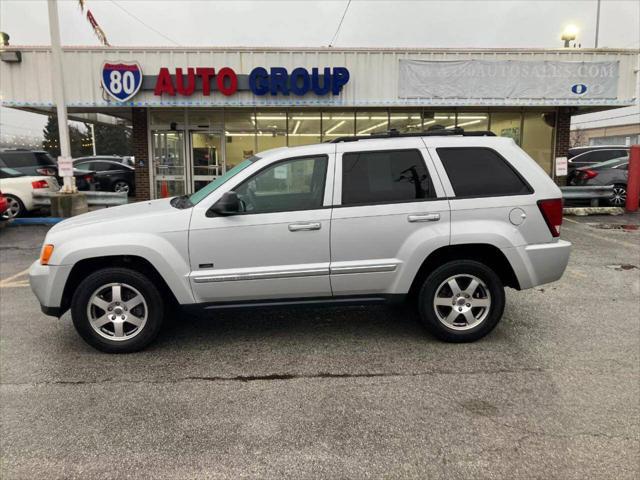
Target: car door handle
(297,227)
(424,217)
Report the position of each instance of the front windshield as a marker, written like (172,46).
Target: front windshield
(210,187)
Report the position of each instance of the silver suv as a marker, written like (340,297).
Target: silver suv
(446,219)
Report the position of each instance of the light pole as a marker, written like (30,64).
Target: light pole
(68,202)
(569,34)
(597,23)
(57,84)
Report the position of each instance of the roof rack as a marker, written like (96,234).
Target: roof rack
(440,132)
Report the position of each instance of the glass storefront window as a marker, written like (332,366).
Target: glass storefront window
(507,124)
(162,119)
(240,137)
(304,128)
(337,124)
(168,163)
(405,122)
(272,130)
(473,121)
(210,119)
(537,139)
(370,123)
(433,120)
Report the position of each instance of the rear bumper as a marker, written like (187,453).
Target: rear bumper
(47,283)
(539,264)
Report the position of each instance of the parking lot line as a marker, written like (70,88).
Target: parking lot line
(11,282)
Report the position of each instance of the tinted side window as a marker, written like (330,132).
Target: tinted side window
(296,184)
(26,159)
(480,172)
(384,177)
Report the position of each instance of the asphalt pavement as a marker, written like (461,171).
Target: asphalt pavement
(357,392)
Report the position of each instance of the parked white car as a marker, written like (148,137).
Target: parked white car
(18,188)
(446,219)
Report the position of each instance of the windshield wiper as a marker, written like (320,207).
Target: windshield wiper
(181,202)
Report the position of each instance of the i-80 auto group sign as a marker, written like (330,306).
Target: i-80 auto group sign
(121,80)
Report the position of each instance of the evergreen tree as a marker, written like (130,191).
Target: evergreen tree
(80,139)
(113,140)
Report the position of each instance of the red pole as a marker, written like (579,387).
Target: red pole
(633,180)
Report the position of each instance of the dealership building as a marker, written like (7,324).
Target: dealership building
(196,112)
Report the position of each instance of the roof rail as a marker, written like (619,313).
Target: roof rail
(441,132)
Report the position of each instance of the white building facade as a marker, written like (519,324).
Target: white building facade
(196,112)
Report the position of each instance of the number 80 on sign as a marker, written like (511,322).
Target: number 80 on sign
(121,80)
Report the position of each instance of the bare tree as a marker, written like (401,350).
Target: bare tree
(578,137)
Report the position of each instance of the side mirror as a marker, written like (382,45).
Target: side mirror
(229,204)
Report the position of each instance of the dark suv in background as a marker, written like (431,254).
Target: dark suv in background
(35,162)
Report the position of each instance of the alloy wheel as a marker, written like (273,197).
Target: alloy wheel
(619,197)
(462,302)
(13,208)
(117,311)
(121,187)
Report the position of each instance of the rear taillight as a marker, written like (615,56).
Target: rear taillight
(88,178)
(39,184)
(552,213)
(49,171)
(588,174)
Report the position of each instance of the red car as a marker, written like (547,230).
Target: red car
(3,204)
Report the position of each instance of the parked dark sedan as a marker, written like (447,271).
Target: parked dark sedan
(586,156)
(612,172)
(34,162)
(111,175)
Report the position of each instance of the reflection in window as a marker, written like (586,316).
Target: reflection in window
(337,124)
(384,177)
(272,130)
(434,120)
(473,121)
(239,136)
(537,138)
(304,128)
(296,184)
(370,123)
(507,124)
(405,122)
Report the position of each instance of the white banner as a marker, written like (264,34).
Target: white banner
(517,79)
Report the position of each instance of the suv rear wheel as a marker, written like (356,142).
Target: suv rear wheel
(117,310)
(461,301)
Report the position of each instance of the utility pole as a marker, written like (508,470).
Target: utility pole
(93,138)
(57,84)
(597,23)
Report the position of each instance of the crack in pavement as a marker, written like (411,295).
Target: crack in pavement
(277,377)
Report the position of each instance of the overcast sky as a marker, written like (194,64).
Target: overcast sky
(427,23)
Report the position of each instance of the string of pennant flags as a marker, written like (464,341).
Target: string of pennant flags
(94,24)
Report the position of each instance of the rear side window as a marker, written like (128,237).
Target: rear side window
(384,177)
(26,159)
(480,172)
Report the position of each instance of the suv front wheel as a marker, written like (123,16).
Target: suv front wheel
(461,301)
(117,310)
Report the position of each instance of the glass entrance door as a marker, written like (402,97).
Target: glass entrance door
(168,163)
(207,158)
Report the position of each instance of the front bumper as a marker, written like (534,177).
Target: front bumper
(47,283)
(540,263)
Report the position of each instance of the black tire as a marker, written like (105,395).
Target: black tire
(16,201)
(432,283)
(619,198)
(154,309)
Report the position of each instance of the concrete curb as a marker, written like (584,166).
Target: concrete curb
(584,211)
